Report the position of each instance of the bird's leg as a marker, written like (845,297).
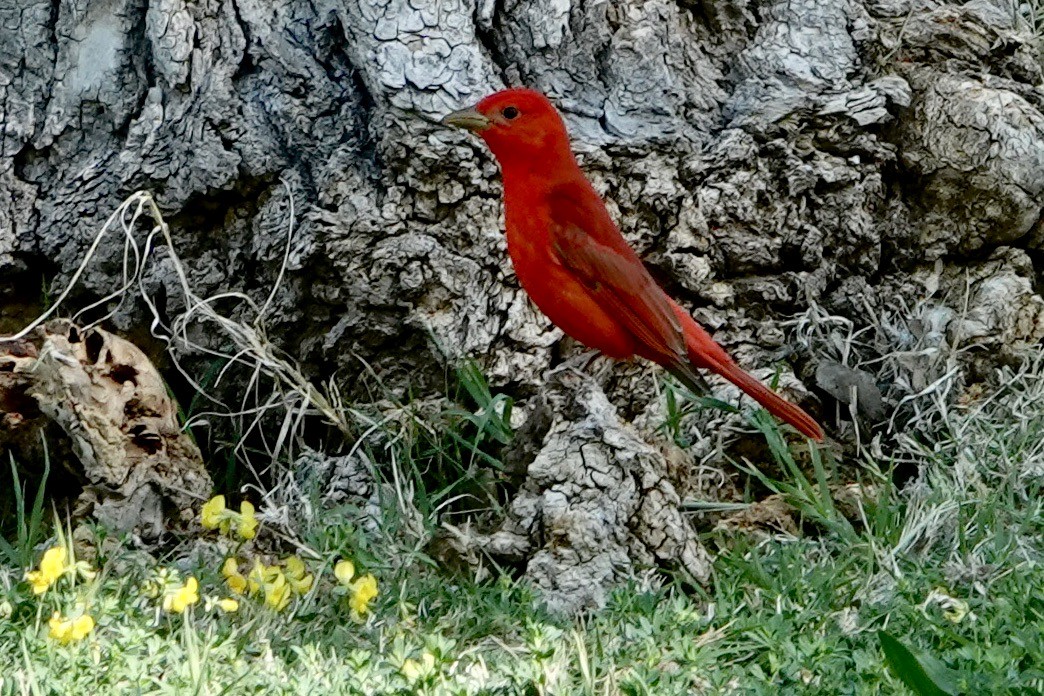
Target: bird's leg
(578,363)
(580,360)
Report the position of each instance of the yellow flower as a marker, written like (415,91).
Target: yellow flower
(228,605)
(301,585)
(295,567)
(272,582)
(40,583)
(413,670)
(53,562)
(67,631)
(213,514)
(233,578)
(230,567)
(956,612)
(298,575)
(364,591)
(178,599)
(261,575)
(277,593)
(52,566)
(247,526)
(344,571)
(237,584)
(954,609)
(256,577)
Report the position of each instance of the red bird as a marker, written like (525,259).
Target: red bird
(570,257)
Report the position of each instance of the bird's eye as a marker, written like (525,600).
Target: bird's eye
(510,113)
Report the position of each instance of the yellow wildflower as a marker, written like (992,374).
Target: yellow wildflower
(301,585)
(237,584)
(954,609)
(277,593)
(364,591)
(67,631)
(413,670)
(344,571)
(53,562)
(52,566)
(214,515)
(230,567)
(40,583)
(295,567)
(956,612)
(298,575)
(178,599)
(228,605)
(233,578)
(272,582)
(261,575)
(247,525)
(256,577)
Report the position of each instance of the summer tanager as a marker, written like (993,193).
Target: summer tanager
(570,257)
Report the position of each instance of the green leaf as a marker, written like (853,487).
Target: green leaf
(926,676)
(717,404)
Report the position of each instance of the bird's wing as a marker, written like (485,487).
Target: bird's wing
(587,242)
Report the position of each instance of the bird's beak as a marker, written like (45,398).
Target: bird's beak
(470,119)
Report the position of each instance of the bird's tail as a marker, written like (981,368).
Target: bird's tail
(704,352)
(773,402)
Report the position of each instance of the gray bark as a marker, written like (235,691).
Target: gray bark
(598,500)
(761,157)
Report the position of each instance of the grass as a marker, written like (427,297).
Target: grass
(950,567)
(28,519)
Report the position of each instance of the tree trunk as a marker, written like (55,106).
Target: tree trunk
(843,158)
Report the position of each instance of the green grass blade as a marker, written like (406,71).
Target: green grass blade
(29,526)
(35,527)
(924,676)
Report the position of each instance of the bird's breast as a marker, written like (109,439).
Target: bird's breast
(555,290)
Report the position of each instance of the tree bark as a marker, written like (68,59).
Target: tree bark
(855,156)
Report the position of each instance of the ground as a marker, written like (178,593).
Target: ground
(950,564)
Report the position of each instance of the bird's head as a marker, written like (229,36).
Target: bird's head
(521,126)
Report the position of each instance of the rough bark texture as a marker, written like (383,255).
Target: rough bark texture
(597,501)
(760,155)
(139,472)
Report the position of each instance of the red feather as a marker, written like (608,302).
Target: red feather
(579,270)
